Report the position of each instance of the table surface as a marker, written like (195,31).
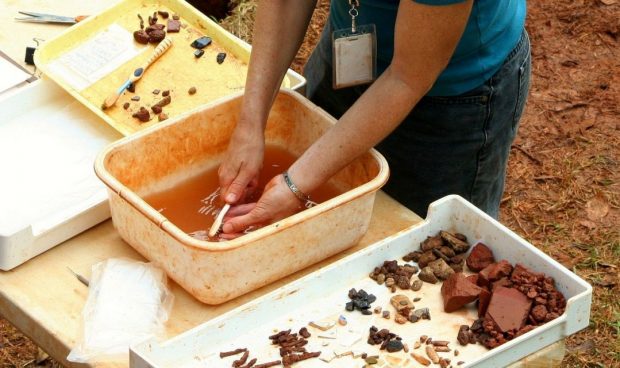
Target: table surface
(44,300)
(15,36)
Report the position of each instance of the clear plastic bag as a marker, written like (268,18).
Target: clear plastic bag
(128,302)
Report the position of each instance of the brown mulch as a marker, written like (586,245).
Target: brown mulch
(563,185)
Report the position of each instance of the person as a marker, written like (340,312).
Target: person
(444,110)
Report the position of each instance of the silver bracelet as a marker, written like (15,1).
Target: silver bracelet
(298,193)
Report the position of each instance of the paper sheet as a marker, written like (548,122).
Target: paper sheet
(101,55)
(10,75)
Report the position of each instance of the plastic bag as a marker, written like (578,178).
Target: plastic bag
(128,302)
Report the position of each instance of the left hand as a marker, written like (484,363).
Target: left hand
(276,203)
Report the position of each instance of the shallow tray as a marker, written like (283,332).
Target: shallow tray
(324,293)
(108,55)
(49,192)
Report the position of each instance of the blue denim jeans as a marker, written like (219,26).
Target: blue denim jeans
(446,145)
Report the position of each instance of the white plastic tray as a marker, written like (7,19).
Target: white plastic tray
(49,191)
(324,293)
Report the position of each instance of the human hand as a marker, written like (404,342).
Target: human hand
(276,203)
(240,170)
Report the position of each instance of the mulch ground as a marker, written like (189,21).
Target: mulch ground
(563,185)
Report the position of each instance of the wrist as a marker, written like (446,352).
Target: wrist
(302,197)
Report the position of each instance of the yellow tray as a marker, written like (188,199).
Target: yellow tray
(177,70)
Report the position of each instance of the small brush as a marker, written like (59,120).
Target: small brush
(163,46)
(218,221)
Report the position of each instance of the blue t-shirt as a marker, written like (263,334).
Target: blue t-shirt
(493,30)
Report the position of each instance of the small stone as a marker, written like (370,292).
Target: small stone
(135,98)
(420,359)
(386,314)
(176,17)
(220,57)
(198,53)
(400,319)
(157,35)
(142,115)
(423,338)
(417,299)
(456,352)
(427,275)
(191,90)
(380,279)
(126,105)
(431,243)
(366,312)
(342,321)
(164,14)
(132,87)
(165,93)
(389,282)
(400,302)
(457,244)
(141,37)
(441,269)
(394,346)
(174,26)
(163,116)
(423,313)
(405,347)
(156,91)
(417,344)
(377,310)
(156,109)
(416,285)
(371,360)
(426,258)
(539,313)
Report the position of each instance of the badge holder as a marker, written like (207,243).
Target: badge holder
(354,53)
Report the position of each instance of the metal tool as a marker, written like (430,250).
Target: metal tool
(80,278)
(49,18)
(163,46)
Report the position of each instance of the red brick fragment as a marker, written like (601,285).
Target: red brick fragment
(483,302)
(473,279)
(479,258)
(457,291)
(504,281)
(502,269)
(508,309)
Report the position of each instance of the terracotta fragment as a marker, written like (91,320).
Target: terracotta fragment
(480,257)
(508,309)
(483,302)
(458,291)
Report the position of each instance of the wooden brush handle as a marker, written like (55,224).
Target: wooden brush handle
(163,46)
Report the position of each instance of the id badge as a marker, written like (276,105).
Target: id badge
(354,56)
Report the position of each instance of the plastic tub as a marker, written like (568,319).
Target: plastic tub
(215,272)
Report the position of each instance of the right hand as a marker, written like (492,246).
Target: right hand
(240,170)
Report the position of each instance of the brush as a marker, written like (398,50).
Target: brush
(163,46)
(218,221)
